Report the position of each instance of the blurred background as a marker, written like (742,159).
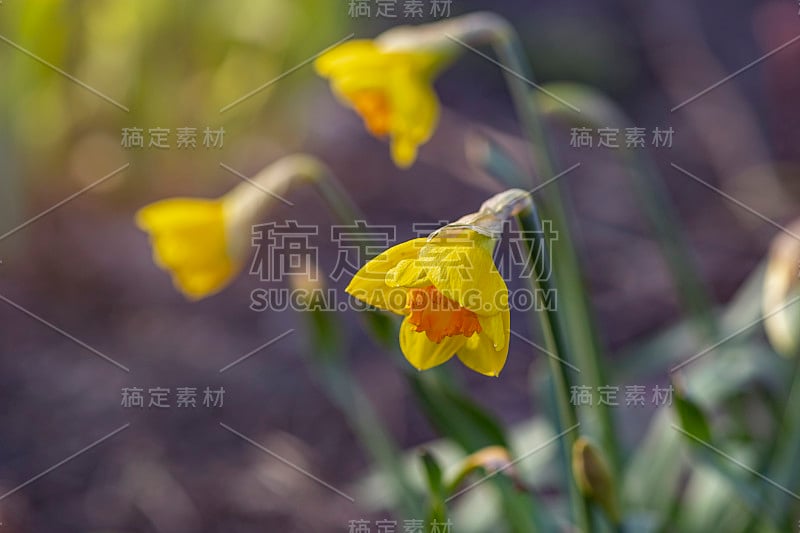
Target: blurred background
(79,282)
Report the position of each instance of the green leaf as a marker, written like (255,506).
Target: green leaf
(383,327)
(433,473)
(434,477)
(455,415)
(692,419)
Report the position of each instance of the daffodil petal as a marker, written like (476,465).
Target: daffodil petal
(183,251)
(178,213)
(369,283)
(415,112)
(423,353)
(189,238)
(404,151)
(465,272)
(407,273)
(355,54)
(355,81)
(416,105)
(196,284)
(497,328)
(486,352)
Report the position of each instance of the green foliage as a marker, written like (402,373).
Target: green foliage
(454,414)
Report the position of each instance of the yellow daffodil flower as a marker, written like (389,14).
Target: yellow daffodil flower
(390,87)
(203,243)
(452,297)
(191,240)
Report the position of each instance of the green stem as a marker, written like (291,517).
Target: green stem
(786,459)
(339,384)
(596,110)
(348,395)
(571,287)
(555,342)
(654,199)
(276,179)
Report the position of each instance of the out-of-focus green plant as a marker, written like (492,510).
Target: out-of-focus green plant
(436,488)
(521,512)
(76,73)
(326,349)
(597,110)
(556,343)
(582,346)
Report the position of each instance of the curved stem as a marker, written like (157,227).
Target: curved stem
(345,391)
(275,180)
(585,347)
(582,346)
(586,350)
(555,341)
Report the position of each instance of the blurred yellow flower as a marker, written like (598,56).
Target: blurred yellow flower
(204,243)
(391,89)
(781,290)
(190,239)
(453,298)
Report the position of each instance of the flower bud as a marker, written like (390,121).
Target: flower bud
(781,285)
(594,478)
